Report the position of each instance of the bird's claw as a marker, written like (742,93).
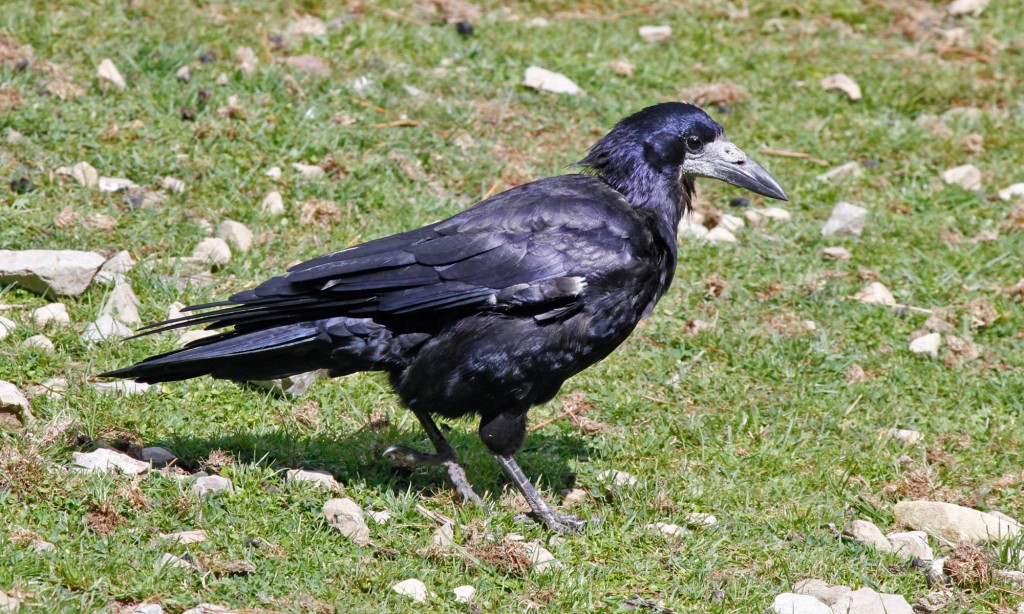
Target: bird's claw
(407,458)
(567,524)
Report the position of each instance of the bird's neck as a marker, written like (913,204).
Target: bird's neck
(659,190)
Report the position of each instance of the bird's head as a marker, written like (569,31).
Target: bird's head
(679,140)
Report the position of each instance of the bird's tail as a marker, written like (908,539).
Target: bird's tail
(256,355)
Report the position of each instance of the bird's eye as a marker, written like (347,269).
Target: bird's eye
(694,144)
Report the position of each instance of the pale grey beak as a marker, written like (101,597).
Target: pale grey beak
(724,161)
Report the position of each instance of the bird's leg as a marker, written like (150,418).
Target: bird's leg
(557,521)
(445,456)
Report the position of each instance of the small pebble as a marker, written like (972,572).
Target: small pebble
(464,28)
(22,185)
(211,485)
(739,201)
(39,342)
(54,313)
(412,588)
(464,593)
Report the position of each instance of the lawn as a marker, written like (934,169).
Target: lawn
(725,401)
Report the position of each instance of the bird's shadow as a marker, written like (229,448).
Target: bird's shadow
(357,456)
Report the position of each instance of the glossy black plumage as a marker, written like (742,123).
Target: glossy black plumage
(487,312)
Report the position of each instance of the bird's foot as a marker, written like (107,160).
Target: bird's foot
(567,524)
(407,458)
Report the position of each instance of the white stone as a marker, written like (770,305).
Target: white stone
(911,544)
(274,172)
(906,437)
(381,517)
(104,460)
(272,204)
(720,234)
(845,219)
(792,603)
(213,250)
(616,477)
(954,522)
(119,265)
(189,336)
(173,184)
(464,593)
(11,399)
(540,558)
(246,59)
(54,313)
(927,345)
(41,545)
(310,171)
(105,328)
(175,310)
(668,529)
(346,516)
(9,603)
(158,457)
(850,169)
(210,485)
(53,387)
(545,80)
(109,72)
(699,519)
(314,477)
(837,253)
(411,588)
(967,7)
(194,536)
(867,533)
(39,342)
(842,83)
(821,590)
(222,79)
(307,25)
(62,272)
(443,536)
(1011,192)
(967,176)
(7,327)
(122,304)
(731,223)
(875,293)
(756,216)
(114,184)
(85,175)
(183,74)
(688,229)
(867,601)
(169,560)
(292,386)
(124,388)
(236,234)
(655,34)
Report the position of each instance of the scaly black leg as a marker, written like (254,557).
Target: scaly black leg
(445,456)
(557,521)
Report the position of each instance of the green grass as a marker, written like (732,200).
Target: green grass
(755,425)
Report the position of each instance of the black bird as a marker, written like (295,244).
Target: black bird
(489,311)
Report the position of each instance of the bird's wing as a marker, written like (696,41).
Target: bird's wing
(529,249)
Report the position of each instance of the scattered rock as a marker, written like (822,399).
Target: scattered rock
(443,536)
(174,562)
(9,603)
(718,94)
(731,223)
(15,410)
(173,184)
(1012,192)
(158,457)
(381,517)
(545,80)
(194,536)
(292,386)
(875,293)
(316,477)
(689,229)
(720,234)
(540,558)
(122,304)
(306,25)
(53,387)
(655,34)
(124,388)
(54,313)
(189,336)
(967,7)
(906,437)
(140,197)
(821,590)
(272,204)
(756,216)
(346,516)
(183,74)
(866,533)
(39,342)
(617,478)
(61,272)
(867,601)
(838,253)
(793,603)
(246,60)
(699,519)
(955,523)
(40,545)
(845,219)
(236,234)
(309,171)
(927,345)
(211,485)
(114,184)
(7,327)
(621,67)
(912,544)
(85,175)
(464,593)
(105,460)
(222,79)
(967,176)
(119,265)
(412,588)
(850,169)
(959,350)
(574,497)
(843,84)
(213,250)
(309,64)
(669,530)
(105,328)
(109,72)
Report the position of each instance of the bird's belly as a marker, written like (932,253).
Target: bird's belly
(490,364)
